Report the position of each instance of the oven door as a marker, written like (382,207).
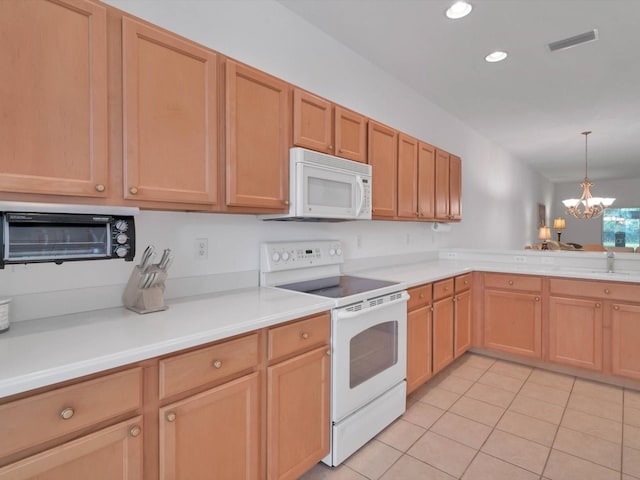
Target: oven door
(369,352)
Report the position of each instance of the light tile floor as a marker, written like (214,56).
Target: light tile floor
(487,419)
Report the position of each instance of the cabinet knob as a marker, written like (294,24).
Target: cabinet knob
(67,413)
(510,282)
(537,299)
(135,431)
(454,299)
(99,187)
(616,307)
(217,364)
(286,202)
(446,289)
(171,417)
(331,147)
(304,335)
(133,190)
(597,305)
(328,353)
(421,295)
(607,291)
(417,214)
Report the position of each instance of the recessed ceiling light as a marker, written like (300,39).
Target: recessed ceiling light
(496,56)
(458,10)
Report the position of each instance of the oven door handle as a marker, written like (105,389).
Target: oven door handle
(344,313)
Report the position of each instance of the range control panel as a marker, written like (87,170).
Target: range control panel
(278,256)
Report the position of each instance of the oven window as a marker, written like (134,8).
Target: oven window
(329,193)
(37,241)
(372,351)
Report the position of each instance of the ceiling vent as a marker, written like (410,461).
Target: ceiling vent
(586,37)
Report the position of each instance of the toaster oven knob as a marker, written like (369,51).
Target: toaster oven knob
(339,251)
(121,238)
(121,251)
(122,226)
(285,256)
(275,256)
(332,252)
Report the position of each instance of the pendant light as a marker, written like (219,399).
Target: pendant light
(587,206)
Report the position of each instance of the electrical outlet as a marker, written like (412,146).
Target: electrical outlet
(201,249)
(520,259)
(451,255)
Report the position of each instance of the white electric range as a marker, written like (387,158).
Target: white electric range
(368,337)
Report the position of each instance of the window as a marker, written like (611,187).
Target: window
(621,227)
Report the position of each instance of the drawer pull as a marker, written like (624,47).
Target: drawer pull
(67,413)
(135,431)
(133,190)
(607,291)
(446,289)
(304,335)
(537,299)
(616,307)
(421,295)
(99,188)
(331,147)
(171,417)
(597,305)
(510,282)
(466,282)
(217,364)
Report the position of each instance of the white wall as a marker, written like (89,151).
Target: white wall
(499,193)
(626,191)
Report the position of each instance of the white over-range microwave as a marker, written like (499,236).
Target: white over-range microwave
(326,188)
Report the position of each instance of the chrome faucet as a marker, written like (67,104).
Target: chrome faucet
(610,259)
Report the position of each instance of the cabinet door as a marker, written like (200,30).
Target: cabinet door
(383,157)
(312,122)
(258,118)
(350,135)
(462,324)
(170,117)
(53,94)
(513,322)
(113,453)
(455,187)
(575,332)
(298,422)
(418,347)
(426,181)
(625,332)
(442,333)
(214,434)
(407,177)
(442,185)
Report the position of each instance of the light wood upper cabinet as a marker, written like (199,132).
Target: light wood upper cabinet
(258,119)
(214,434)
(575,332)
(350,135)
(426,181)
(407,177)
(170,117)
(320,125)
(113,453)
(53,94)
(383,157)
(625,334)
(448,186)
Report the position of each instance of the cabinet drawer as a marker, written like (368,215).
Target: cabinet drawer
(463,282)
(603,290)
(193,369)
(420,296)
(299,336)
(443,288)
(33,420)
(513,282)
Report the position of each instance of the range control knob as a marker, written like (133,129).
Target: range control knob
(121,238)
(285,256)
(275,256)
(122,225)
(338,251)
(121,251)
(332,252)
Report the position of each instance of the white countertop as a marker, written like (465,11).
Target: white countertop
(42,352)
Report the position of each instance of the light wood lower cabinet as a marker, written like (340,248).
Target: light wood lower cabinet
(419,325)
(298,422)
(214,434)
(113,453)
(513,322)
(462,323)
(625,338)
(575,332)
(443,324)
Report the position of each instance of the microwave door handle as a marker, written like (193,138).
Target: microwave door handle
(361,199)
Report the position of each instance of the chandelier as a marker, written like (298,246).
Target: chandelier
(587,206)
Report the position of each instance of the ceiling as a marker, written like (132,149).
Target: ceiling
(534,104)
